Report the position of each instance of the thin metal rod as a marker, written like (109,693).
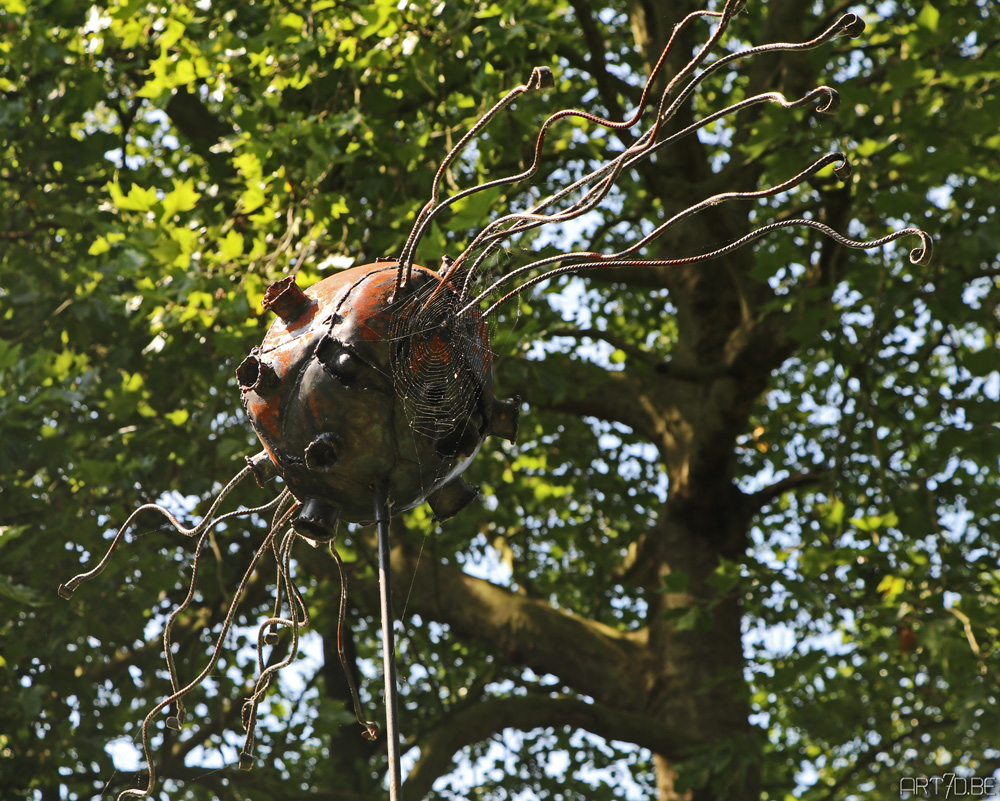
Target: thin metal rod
(388,643)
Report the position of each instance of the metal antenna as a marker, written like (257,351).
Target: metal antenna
(388,642)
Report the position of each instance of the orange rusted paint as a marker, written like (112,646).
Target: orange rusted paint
(267,413)
(352,398)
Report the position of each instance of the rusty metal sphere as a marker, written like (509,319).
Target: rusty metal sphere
(362,383)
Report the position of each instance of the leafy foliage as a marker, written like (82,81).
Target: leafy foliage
(747,540)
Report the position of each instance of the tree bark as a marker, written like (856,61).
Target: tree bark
(676,686)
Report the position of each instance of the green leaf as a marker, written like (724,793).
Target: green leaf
(725,577)
(928,17)
(10,533)
(10,354)
(891,587)
(184,197)
(178,417)
(231,246)
(474,210)
(103,243)
(183,73)
(875,522)
(690,620)
(172,35)
(834,513)
(137,199)
(675,581)
(252,199)
(21,594)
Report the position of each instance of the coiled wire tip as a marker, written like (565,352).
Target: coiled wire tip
(923,254)
(851,25)
(541,78)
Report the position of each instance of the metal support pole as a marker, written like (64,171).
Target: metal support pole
(388,643)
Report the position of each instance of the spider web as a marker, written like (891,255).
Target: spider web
(440,361)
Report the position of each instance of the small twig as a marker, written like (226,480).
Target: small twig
(763,497)
(614,341)
(967,627)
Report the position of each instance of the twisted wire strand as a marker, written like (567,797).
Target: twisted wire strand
(271,636)
(177,719)
(828,96)
(416,231)
(370,726)
(297,620)
(213,661)
(610,172)
(714,200)
(294,598)
(919,255)
(68,588)
(645,146)
(642,144)
(430,210)
(849,24)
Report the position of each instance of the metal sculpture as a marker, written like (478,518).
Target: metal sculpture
(373,390)
(371,397)
(364,383)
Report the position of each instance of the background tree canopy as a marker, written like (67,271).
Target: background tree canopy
(746,546)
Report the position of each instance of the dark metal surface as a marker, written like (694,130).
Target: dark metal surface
(360,384)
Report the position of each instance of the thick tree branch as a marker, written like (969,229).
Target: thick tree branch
(597,63)
(631,397)
(526,631)
(666,367)
(477,720)
(614,341)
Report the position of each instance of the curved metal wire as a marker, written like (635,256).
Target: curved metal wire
(919,255)
(285,506)
(69,587)
(646,145)
(616,259)
(176,721)
(297,619)
(595,186)
(434,207)
(370,726)
(213,661)
(541,77)
(825,94)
